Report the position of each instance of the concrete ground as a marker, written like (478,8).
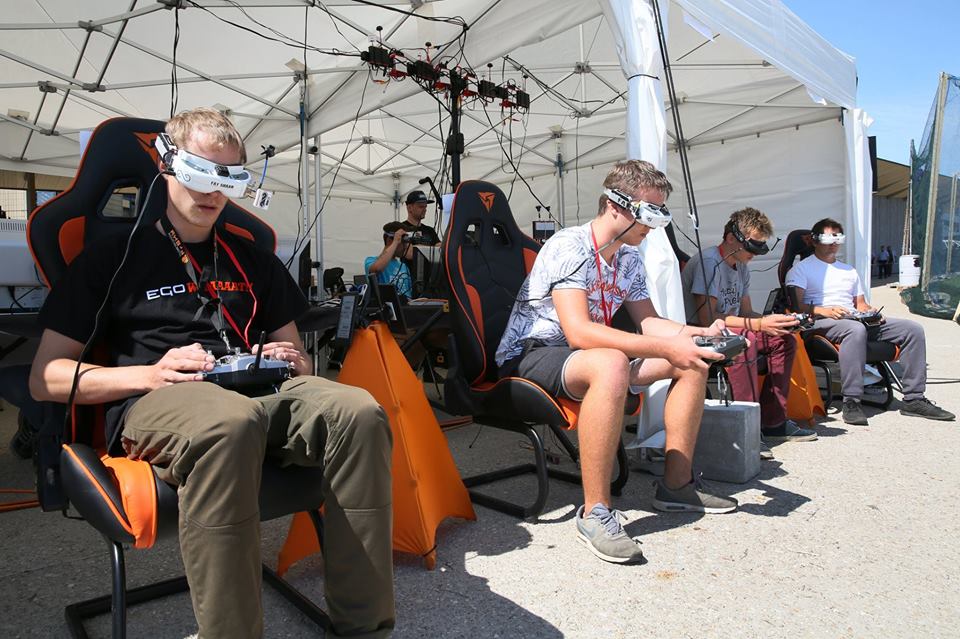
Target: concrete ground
(854,535)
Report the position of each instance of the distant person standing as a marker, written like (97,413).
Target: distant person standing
(884,261)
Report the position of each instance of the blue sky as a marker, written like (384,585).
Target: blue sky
(900,48)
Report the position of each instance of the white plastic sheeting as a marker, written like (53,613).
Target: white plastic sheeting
(635,32)
(860,192)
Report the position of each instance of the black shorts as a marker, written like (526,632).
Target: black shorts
(543,365)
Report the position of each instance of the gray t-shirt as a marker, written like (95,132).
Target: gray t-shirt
(567,261)
(726,283)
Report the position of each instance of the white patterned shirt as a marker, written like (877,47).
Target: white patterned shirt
(567,260)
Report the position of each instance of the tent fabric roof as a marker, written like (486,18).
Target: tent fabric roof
(760,95)
(749,75)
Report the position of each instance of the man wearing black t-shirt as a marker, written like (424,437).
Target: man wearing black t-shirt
(164,323)
(421,236)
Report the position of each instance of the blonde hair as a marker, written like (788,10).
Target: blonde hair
(749,220)
(631,176)
(205,120)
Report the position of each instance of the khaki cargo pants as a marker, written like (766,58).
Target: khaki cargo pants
(211,442)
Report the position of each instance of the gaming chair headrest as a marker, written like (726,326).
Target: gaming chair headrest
(487,257)
(119,155)
(799,245)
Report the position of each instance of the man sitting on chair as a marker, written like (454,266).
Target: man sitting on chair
(559,335)
(161,325)
(831,290)
(389,266)
(726,295)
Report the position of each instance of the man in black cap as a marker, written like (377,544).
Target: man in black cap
(417,210)
(421,235)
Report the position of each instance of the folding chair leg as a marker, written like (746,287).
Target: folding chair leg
(894,378)
(623,471)
(887,376)
(616,488)
(542,471)
(539,468)
(116,603)
(825,395)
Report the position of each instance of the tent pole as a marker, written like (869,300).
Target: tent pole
(953,214)
(396,196)
(304,162)
(561,197)
(927,256)
(318,228)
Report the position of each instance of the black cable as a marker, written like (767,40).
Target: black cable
(299,241)
(520,175)
(333,20)
(106,297)
(286,40)
(174,87)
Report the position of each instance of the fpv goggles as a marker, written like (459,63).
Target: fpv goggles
(754,247)
(653,215)
(830,238)
(200,174)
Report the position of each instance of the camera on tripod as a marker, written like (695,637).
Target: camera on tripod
(415,238)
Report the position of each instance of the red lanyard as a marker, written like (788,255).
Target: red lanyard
(193,267)
(607,313)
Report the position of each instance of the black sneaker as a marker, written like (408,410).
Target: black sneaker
(765,453)
(24,441)
(788,431)
(923,407)
(853,413)
(691,498)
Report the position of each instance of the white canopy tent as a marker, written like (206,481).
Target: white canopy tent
(767,105)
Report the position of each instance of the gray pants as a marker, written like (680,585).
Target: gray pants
(853,337)
(211,442)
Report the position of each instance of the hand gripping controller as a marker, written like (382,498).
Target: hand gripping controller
(727,345)
(867,317)
(243,371)
(806,321)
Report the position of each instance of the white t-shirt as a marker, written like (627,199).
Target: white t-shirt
(836,284)
(567,260)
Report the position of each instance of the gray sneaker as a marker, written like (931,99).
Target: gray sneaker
(691,498)
(601,531)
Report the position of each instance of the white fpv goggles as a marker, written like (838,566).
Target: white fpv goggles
(653,215)
(200,174)
(830,238)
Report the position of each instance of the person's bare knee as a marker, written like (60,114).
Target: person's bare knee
(605,368)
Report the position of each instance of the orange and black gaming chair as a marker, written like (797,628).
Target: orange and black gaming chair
(487,258)
(123,499)
(821,351)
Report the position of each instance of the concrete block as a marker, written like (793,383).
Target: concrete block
(728,446)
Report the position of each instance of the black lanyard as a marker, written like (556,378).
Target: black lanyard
(206,301)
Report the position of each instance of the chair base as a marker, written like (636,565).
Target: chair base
(121,598)
(540,469)
(888,378)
